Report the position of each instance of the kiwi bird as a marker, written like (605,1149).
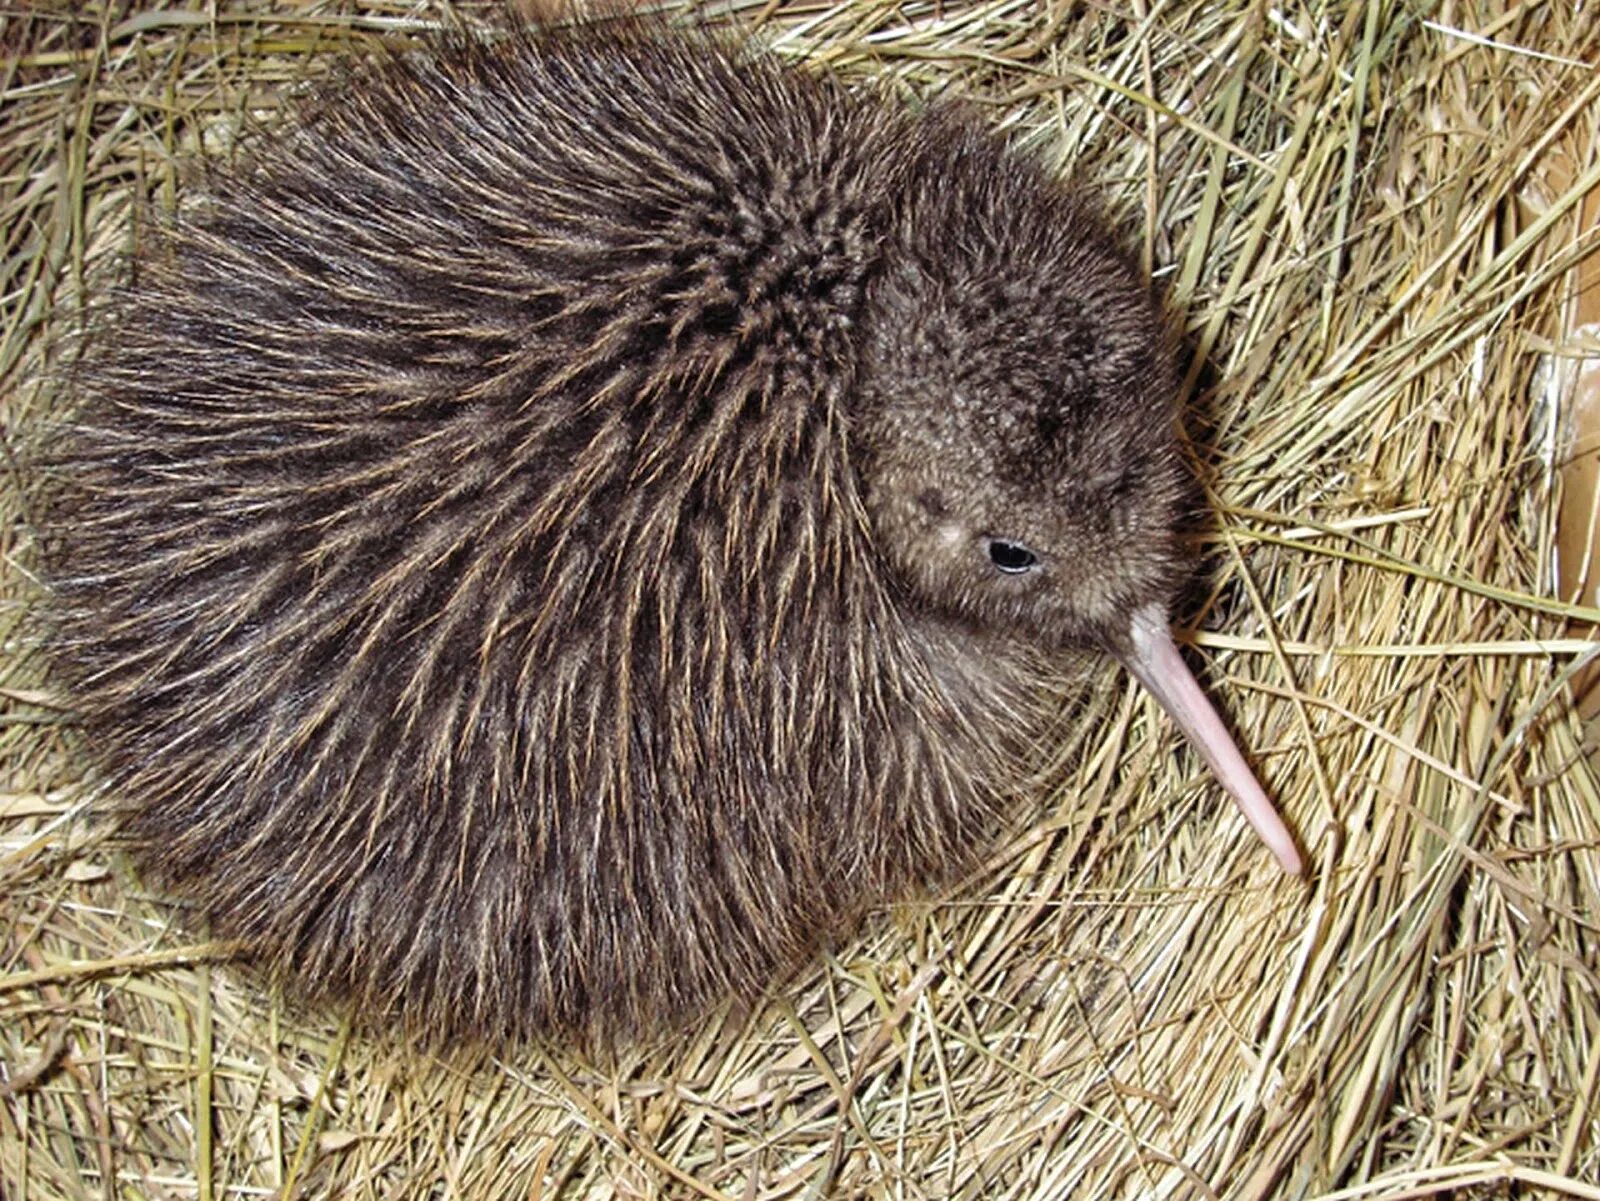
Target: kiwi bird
(577,519)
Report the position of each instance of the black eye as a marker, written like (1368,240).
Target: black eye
(1011,557)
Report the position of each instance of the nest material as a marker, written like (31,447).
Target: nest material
(1369,223)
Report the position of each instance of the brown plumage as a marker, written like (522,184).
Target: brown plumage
(579,518)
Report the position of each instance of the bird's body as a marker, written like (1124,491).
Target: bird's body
(578,518)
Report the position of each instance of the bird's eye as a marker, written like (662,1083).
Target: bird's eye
(1011,557)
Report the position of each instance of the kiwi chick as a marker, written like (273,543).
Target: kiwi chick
(579,518)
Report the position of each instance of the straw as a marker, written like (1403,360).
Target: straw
(1366,222)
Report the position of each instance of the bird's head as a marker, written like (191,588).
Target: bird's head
(1021,462)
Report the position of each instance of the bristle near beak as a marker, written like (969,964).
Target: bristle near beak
(1154,660)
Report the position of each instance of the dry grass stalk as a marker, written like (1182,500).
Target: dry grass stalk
(1367,221)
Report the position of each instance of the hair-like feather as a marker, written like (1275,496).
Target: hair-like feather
(522,561)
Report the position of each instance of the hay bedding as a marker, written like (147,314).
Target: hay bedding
(1369,221)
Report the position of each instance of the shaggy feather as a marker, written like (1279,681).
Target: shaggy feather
(524,562)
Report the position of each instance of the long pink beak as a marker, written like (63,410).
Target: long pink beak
(1155,662)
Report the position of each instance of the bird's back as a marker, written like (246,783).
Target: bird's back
(463,572)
